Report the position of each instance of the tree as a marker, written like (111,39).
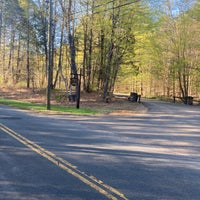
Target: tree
(156,49)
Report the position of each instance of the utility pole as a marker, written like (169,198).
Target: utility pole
(49,60)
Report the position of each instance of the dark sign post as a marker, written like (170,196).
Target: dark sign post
(79,90)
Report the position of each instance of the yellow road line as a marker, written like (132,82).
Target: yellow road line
(98,185)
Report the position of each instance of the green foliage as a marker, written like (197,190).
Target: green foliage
(151,44)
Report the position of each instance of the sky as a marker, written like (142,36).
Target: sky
(177,6)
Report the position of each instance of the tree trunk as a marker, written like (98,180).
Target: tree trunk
(10,60)
(101,65)
(28,58)
(89,67)
(60,57)
(71,41)
(85,56)
(110,55)
(18,62)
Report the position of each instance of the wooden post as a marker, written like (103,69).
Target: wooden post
(49,55)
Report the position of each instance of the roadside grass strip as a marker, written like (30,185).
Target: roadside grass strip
(98,185)
(42,107)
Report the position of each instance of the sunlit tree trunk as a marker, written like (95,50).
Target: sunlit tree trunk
(17,74)
(110,54)
(11,55)
(59,70)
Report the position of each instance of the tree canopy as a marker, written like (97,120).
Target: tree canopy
(147,46)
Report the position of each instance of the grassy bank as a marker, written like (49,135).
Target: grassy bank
(42,107)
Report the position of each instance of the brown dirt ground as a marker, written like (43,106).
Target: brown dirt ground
(117,106)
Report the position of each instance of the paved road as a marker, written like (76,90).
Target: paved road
(143,157)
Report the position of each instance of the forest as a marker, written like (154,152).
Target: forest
(151,47)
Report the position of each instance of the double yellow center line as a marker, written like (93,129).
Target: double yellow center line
(98,185)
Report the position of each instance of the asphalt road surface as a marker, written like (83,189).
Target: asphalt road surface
(151,156)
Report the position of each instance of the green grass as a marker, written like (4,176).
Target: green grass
(42,107)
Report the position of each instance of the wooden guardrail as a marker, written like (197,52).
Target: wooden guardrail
(189,100)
